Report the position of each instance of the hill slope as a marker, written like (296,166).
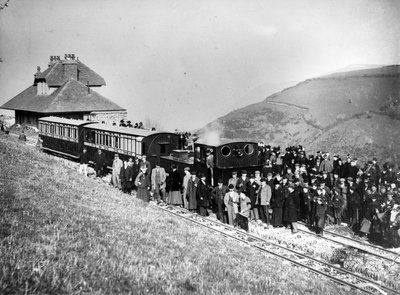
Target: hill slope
(355,111)
(61,233)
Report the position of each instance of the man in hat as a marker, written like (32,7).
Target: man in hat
(218,195)
(346,167)
(233,180)
(231,200)
(191,191)
(128,179)
(185,183)
(353,169)
(337,203)
(320,211)
(252,193)
(326,179)
(210,166)
(326,164)
(267,168)
(158,185)
(290,208)
(135,166)
(203,196)
(265,199)
(143,185)
(144,162)
(242,182)
(84,160)
(99,163)
(116,170)
(257,177)
(377,170)
(354,201)
(277,201)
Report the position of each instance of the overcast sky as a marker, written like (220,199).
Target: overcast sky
(185,63)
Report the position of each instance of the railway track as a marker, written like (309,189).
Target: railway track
(365,248)
(334,273)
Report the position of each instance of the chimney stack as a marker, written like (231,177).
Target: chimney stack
(70,67)
(54,59)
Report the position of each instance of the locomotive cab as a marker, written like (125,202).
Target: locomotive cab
(219,161)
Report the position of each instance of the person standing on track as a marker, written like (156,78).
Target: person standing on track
(290,208)
(231,200)
(185,183)
(265,199)
(158,177)
(142,182)
(203,196)
(99,163)
(83,162)
(116,170)
(191,192)
(175,184)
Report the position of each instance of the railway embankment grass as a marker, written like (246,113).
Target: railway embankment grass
(64,233)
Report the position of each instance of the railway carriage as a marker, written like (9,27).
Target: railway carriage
(62,136)
(129,142)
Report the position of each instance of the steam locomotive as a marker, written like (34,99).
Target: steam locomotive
(68,137)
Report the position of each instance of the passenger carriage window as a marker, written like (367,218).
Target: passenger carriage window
(249,149)
(117,141)
(143,150)
(67,132)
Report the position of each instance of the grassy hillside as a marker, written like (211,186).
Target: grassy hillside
(61,233)
(313,112)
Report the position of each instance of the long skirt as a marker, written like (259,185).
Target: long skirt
(175,198)
(143,194)
(277,216)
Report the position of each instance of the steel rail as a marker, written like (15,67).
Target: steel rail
(393,260)
(264,243)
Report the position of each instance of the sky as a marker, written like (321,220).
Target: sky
(179,64)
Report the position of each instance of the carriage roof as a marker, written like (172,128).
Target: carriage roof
(125,130)
(59,120)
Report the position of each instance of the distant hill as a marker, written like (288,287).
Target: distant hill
(350,111)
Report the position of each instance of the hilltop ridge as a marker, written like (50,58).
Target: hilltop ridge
(346,112)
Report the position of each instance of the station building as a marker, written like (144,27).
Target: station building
(64,89)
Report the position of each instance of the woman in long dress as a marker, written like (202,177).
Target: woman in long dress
(174,195)
(142,182)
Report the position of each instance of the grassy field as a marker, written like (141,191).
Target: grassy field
(62,233)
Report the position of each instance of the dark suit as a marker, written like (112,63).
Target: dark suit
(99,162)
(203,198)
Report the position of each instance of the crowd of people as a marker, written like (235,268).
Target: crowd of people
(290,187)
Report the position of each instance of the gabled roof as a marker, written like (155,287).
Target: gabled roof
(72,96)
(55,75)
